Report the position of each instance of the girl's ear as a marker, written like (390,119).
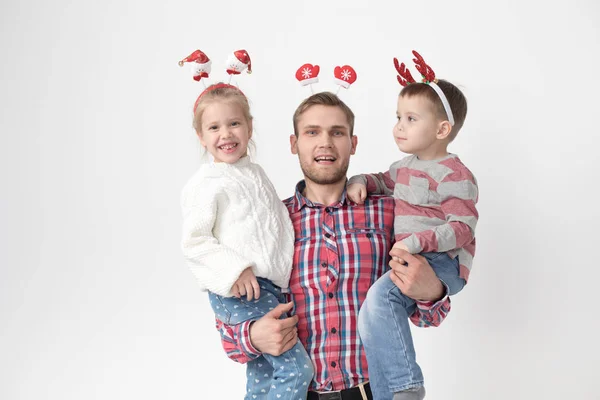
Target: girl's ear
(444,130)
(199,134)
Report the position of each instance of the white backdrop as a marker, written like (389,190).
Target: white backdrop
(96,144)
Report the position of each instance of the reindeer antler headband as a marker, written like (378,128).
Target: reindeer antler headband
(405,78)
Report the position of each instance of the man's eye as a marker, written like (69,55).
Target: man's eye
(338,133)
(311,133)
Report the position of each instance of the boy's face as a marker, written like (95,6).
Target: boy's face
(324,144)
(416,131)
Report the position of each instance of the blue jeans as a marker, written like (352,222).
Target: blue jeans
(283,377)
(384,329)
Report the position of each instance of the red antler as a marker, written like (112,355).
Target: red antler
(424,69)
(403,73)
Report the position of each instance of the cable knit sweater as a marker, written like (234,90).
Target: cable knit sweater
(233,219)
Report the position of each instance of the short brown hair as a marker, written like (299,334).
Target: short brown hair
(324,99)
(456,99)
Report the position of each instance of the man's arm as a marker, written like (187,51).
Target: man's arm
(269,334)
(416,279)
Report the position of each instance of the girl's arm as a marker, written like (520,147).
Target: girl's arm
(216,267)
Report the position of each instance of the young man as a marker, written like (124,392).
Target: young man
(341,249)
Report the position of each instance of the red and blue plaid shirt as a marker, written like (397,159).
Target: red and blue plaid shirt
(340,251)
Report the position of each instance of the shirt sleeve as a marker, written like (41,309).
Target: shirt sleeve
(215,266)
(458,193)
(236,341)
(378,183)
(431,313)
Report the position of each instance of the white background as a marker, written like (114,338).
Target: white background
(96,144)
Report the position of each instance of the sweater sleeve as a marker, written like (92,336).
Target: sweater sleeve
(377,183)
(215,266)
(458,193)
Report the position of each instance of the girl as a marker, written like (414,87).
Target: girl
(238,238)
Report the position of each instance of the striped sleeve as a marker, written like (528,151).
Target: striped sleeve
(236,341)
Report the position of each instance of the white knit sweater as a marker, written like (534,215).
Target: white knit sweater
(233,219)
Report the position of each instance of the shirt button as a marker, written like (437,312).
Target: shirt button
(333,364)
(327,235)
(330,295)
(324,265)
(369,235)
(328,209)
(333,330)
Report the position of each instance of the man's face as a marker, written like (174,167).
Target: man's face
(324,144)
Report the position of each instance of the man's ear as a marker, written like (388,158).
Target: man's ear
(444,130)
(293,144)
(354,143)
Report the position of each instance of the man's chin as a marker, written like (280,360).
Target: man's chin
(321,178)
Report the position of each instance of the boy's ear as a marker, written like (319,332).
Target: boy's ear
(444,130)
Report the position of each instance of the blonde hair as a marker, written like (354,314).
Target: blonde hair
(213,94)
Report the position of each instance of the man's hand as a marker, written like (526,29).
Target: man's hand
(247,285)
(414,276)
(357,192)
(272,335)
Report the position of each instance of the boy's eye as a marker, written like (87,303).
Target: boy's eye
(235,123)
(212,127)
(411,119)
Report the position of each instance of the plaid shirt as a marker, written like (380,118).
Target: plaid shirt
(340,251)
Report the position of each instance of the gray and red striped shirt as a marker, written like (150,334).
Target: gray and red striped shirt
(434,205)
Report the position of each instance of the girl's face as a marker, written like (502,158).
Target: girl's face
(225,132)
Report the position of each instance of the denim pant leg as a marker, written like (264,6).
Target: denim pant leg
(258,379)
(447,270)
(384,329)
(289,374)
(293,372)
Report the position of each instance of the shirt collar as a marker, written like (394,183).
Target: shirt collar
(300,200)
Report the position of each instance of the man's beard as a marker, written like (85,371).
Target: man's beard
(321,177)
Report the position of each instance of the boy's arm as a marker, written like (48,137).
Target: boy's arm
(216,267)
(459,194)
(378,183)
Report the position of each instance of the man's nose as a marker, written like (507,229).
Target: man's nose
(326,141)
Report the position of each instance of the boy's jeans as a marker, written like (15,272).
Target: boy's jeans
(281,377)
(384,329)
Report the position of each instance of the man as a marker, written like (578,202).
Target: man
(341,249)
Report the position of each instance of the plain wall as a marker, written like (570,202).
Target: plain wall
(96,143)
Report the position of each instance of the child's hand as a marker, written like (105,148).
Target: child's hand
(357,192)
(399,245)
(247,285)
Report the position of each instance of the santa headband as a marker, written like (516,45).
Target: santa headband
(405,78)
(237,62)
(343,76)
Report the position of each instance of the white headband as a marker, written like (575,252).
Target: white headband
(444,100)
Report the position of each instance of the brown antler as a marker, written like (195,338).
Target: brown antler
(424,69)
(404,77)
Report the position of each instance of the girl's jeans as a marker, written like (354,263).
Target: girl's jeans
(269,377)
(384,329)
